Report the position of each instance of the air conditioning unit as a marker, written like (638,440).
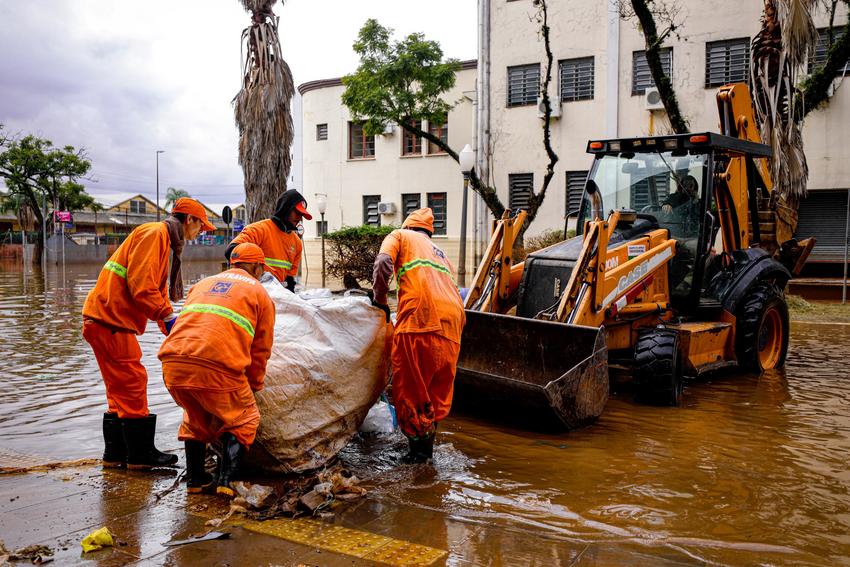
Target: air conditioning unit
(652,99)
(387,208)
(555,103)
(389,129)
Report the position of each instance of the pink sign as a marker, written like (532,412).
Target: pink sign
(63,216)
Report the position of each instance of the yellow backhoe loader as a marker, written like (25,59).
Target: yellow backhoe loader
(684,276)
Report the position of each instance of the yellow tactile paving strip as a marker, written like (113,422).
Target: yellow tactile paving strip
(344,541)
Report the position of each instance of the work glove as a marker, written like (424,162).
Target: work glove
(290,283)
(383,307)
(168,323)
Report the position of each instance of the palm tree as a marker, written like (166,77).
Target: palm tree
(778,54)
(172,195)
(262,111)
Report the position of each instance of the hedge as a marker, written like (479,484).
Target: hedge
(353,250)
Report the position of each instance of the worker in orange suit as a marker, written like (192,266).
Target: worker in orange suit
(135,286)
(429,323)
(278,237)
(213,362)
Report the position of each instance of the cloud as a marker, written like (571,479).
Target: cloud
(124,79)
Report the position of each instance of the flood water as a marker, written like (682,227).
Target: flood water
(750,470)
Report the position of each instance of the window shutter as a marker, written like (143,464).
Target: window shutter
(520,187)
(410,202)
(370,210)
(575,189)
(577,79)
(523,84)
(640,191)
(641,75)
(727,62)
(321,132)
(437,204)
(818,56)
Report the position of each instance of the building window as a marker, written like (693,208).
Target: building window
(519,186)
(360,146)
(321,132)
(641,75)
(321,227)
(648,191)
(576,79)
(410,202)
(727,62)
(371,216)
(523,84)
(411,144)
(818,56)
(437,204)
(575,189)
(138,207)
(440,131)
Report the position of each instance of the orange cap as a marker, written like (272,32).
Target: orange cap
(247,253)
(420,218)
(194,208)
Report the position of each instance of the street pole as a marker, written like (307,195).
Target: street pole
(323,249)
(44,232)
(461,270)
(846,238)
(466,161)
(157,182)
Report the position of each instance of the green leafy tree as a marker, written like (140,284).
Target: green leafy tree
(172,195)
(36,173)
(404,82)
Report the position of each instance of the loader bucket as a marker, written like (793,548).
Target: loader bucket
(535,374)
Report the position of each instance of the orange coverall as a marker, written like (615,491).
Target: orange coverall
(429,323)
(215,357)
(282,249)
(132,287)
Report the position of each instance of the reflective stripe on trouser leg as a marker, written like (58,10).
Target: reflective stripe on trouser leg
(119,358)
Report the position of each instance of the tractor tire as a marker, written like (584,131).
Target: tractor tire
(761,336)
(658,370)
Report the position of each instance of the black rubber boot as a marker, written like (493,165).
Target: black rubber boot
(141,453)
(197,478)
(115,451)
(421,450)
(231,455)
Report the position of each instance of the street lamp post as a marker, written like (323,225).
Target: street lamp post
(157,182)
(322,205)
(466,159)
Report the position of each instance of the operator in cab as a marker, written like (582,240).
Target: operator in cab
(214,361)
(429,324)
(683,205)
(278,237)
(134,287)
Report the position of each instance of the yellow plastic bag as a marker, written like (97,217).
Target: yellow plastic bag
(98,539)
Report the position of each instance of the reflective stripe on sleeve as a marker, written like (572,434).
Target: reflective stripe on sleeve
(116,268)
(221,312)
(275,263)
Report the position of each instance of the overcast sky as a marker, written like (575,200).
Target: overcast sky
(124,78)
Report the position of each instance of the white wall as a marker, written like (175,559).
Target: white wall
(328,170)
(580,28)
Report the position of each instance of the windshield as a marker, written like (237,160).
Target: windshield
(646,182)
(668,189)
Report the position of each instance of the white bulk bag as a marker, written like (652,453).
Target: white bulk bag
(328,367)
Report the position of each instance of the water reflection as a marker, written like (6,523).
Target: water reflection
(751,469)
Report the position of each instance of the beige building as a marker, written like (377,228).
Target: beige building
(379,179)
(603,89)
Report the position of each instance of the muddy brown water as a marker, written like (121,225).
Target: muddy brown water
(750,470)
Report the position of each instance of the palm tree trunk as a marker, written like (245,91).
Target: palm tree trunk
(263,113)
